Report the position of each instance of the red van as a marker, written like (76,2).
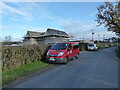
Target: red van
(61,52)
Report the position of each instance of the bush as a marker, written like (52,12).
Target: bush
(15,56)
(83,46)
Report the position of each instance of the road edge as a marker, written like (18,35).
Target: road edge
(26,77)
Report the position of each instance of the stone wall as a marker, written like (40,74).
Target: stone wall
(15,56)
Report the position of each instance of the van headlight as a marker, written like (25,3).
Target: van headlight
(61,53)
(48,53)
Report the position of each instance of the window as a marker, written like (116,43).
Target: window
(90,44)
(70,46)
(75,46)
(59,46)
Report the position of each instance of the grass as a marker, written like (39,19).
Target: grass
(105,45)
(102,47)
(13,74)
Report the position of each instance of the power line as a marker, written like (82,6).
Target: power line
(68,28)
(55,13)
(52,11)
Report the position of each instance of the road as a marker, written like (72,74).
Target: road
(97,69)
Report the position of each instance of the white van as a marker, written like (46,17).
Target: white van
(92,46)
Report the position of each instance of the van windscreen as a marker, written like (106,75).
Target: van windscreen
(90,44)
(59,46)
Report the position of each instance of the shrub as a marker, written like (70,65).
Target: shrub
(15,56)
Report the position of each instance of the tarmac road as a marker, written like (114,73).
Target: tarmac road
(93,69)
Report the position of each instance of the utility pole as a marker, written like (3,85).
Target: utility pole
(92,35)
(83,39)
(98,38)
(103,37)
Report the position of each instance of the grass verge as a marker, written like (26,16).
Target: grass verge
(102,47)
(13,74)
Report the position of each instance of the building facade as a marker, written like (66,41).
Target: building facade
(49,37)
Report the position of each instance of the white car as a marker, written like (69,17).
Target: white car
(92,46)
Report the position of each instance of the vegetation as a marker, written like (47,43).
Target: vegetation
(14,56)
(109,15)
(11,42)
(83,46)
(8,39)
(15,73)
(106,45)
(19,61)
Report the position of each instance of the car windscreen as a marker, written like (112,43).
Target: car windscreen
(59,46)
(90,44)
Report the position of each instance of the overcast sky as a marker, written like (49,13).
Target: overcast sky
(77,19)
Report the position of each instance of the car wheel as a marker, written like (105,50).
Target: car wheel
(66,60)
(77,56)
(95,49)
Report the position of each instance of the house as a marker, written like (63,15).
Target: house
(49,37)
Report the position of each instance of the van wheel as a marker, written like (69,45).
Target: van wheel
(77,56)
(66,60)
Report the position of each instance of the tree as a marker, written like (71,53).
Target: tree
(109,15)
(8,39)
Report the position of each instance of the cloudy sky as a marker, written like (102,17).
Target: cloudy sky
(75,18)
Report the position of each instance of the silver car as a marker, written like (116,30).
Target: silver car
(92,46)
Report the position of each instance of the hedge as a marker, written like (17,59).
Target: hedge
(15,56)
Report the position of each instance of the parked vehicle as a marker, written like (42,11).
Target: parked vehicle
(12,45)
(61,52)
(92,46)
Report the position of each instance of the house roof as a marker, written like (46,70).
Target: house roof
(34,34)
(55,32)
(49,32)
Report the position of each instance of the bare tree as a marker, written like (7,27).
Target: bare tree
(8,39)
